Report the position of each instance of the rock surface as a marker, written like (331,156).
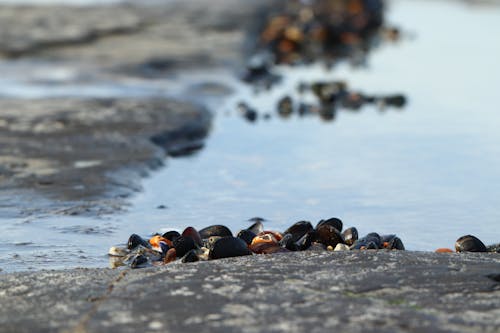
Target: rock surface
(87,155)
(293,292)
(134,37)
(83,156)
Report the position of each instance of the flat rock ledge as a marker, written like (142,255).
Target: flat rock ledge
(293,292)
(87,155)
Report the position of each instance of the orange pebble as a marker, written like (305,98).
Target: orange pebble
(444,250)
(155,241)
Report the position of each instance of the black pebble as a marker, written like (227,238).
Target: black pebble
(183,245)
(135,240)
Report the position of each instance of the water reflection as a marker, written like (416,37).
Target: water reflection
(323,32)
(328,97)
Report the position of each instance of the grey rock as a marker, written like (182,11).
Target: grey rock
(87,156)
(352,291)
(140,38)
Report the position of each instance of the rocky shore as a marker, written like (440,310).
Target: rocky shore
(357,291)
(84,156)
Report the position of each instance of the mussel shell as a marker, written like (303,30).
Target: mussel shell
(288,243)
(170,256)
(191,232)
(387,238)
(392,242)
(350,235)
(469,243)
(328,235)
(264,248)
(301,244)
(135,240)
(262,242)
(299,229)
(210,241)
(246,235)
(275,234)
(138,261)
(257,227)
(183,245)
(370,241)
(171,235)
(334,222)
(493,248)
(191,256)
(375,238)
(305,241)
(215,230)
(227,247)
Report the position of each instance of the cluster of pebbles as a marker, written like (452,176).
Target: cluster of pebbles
(217,242)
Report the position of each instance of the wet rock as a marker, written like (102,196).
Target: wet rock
(106,151)
(370,291)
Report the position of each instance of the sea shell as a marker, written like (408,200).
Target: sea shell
(227,247)
(328,235)
(135,240)
(183,245)
(334,222)
(215,230)
(350,235)
(469,243)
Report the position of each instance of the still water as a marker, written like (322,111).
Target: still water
(429,172)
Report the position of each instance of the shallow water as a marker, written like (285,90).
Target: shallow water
(428,172)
